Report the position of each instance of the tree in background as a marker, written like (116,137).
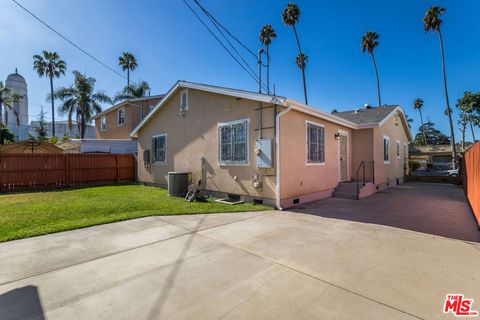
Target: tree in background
(290,17)
(434,136)
(267,34)
(369,43)
(433,22)
(81,100)
(417,105)
(5,135)
(42,134)
(409,121)
(469,106)
(49,65)
(128,62)
(133,91)
(7,100)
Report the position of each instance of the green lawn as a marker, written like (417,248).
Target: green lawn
(31,214)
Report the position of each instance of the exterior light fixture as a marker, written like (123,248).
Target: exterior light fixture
(337,136)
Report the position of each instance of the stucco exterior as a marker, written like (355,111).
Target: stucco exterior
(300,181)
(388,173)
(135,111)
(193,136)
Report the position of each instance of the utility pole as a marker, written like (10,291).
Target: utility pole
(260,51)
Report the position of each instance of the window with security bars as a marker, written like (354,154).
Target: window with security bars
(315,143)
(159,149)
(233,137)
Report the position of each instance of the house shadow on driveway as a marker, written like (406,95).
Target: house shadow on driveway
(21,303)
(436,209)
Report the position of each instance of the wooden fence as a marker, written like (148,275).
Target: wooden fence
(40,171)
(471,178)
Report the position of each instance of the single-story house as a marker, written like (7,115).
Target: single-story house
(268,149)
(120,119)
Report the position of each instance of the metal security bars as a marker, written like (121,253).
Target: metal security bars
(315,143)
(233,142)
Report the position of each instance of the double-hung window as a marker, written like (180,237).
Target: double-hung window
(121,116)
(103,123)
(315,143)
(159,149)
(233,142)
(386,149)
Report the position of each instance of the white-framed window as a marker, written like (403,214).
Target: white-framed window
(233,142)
(103,123)
(121,116)
(386,149)
(159,148)
(183,100)
(398,149)
(315,143)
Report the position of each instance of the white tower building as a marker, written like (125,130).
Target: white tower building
(17,85)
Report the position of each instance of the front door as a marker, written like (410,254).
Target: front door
(343,158)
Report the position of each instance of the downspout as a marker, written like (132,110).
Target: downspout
(277,143)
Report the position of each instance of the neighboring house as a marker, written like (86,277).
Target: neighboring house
(119,120)
(439,156)
(113,146)
(266,149)
(62,129)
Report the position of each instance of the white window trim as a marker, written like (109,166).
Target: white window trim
(233,164)
(307,163)
(186,105)
(398,150)
(383,149)
(102,128)
(342,133)
(124,116)
(166,148)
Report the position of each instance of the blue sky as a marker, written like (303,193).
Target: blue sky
(170,44)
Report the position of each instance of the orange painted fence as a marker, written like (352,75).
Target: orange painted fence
(471,178)
(40,171)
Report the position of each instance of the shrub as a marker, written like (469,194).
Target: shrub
(413,165)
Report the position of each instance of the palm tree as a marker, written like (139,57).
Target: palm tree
(267,34)
(80,100)
(433,22)
(301,60)
(369,43)
(128,62)
(417,105)
(7,100)
(133,91)
(49,65)
(290,16)
(409,121)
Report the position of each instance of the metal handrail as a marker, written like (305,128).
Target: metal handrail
(362,165)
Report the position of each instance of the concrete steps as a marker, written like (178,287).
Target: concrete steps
(348,190)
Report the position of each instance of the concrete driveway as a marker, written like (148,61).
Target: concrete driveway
(270,265)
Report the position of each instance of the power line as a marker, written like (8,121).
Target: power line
(226,30)
(68,40)
(253,75)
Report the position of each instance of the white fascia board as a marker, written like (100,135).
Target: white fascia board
(320,114)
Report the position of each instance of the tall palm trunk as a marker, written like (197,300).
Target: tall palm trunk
(473,132)
(423,128)
(303,65)
(268,71)
(128,77)
(464,128)
(378,81)
(452,134)
(53,106)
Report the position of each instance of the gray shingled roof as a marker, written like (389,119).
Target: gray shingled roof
(366,115)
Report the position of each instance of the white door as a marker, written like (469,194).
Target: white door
(343,158)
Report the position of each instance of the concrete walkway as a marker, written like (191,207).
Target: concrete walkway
(270,265)
(434,208)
